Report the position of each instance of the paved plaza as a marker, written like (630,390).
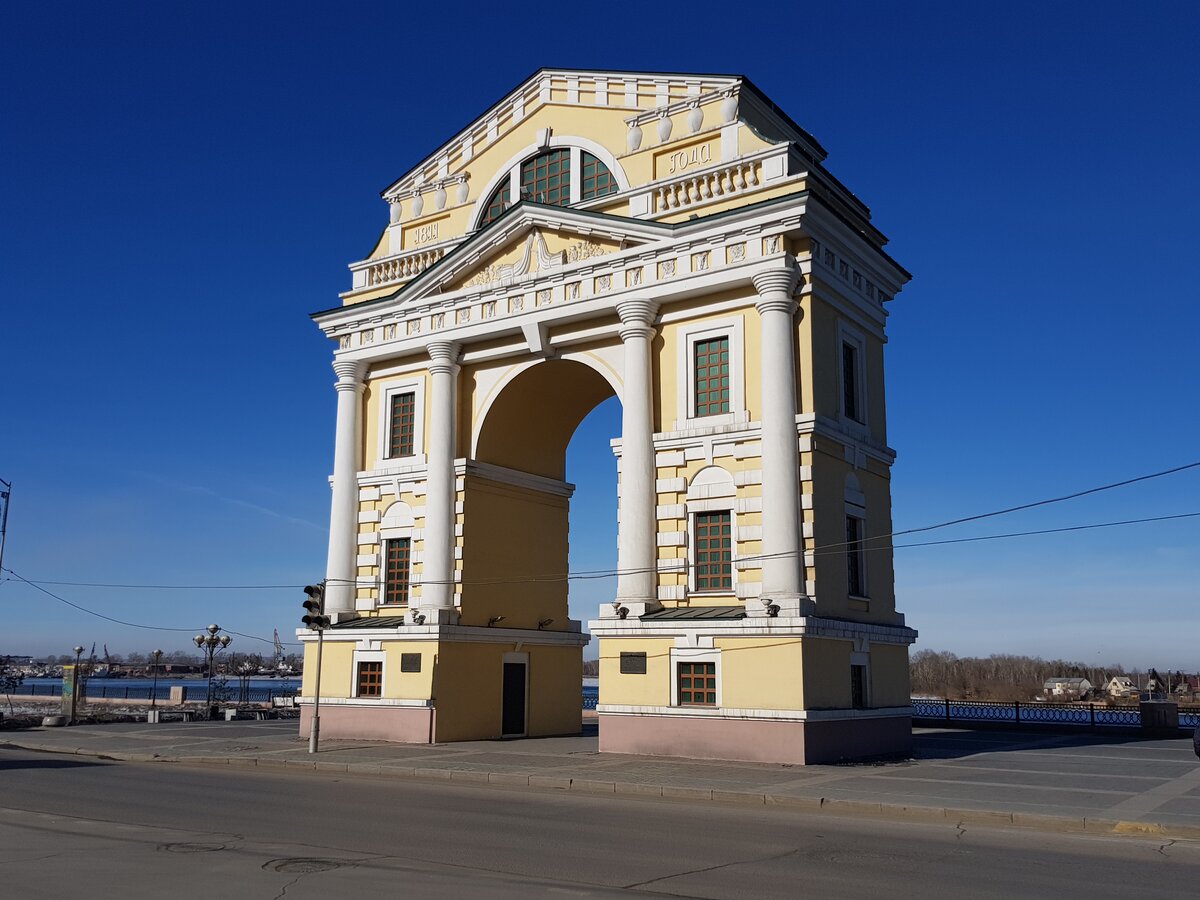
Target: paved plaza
(1100,783)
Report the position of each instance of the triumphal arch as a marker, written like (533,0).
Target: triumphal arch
(675,241)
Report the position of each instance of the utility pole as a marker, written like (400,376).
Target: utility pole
(5,493)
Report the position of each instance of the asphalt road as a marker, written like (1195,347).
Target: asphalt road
(71,827)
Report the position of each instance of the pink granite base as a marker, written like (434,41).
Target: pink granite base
(756,740)
(403,724)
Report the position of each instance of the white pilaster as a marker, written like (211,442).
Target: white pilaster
(637,526)
(782,564)
(437,582)
(341,569)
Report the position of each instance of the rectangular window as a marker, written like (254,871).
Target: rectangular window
(858,687)
(714,551)
(712,376)
(850,386)
(395,584)
(856,572)
(370,679)
(698,684)
(633,663)
(402,423)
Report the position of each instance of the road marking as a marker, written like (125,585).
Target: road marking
(1155,797)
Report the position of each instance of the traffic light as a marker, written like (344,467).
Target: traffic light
(314,607)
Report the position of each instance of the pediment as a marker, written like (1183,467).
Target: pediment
(628,92)
(528,243)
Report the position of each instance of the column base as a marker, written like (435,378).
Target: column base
(787,606)
(436,615)
(633,609)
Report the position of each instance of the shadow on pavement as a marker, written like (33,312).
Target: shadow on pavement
(46,763)
(957,744)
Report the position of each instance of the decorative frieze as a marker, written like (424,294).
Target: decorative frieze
(845,270)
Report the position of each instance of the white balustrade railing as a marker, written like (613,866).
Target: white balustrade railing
(702,187)
(395,268)
(399,268)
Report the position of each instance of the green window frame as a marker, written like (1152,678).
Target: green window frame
(711,367)
(697,684)
(713,534)
(397,555)
(402,424)
(596,180)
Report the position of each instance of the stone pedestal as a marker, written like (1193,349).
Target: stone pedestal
(1159,715)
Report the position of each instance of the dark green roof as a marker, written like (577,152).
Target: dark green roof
(372,622)
(698,612)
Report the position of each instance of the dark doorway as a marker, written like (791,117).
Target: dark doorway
(513,716)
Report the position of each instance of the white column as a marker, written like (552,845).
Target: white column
(783,564)
(437,580)
(341,571)
(638,527)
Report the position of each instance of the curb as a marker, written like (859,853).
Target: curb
(829,805)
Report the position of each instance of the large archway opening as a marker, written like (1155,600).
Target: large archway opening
(517,501)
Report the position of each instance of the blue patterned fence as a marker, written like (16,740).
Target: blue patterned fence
(1090,715)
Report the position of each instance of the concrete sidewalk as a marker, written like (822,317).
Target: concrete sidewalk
(1065,782)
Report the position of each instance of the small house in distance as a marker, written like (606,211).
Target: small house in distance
(1067,688)
(1120,686)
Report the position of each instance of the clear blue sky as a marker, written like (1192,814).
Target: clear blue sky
(183,183)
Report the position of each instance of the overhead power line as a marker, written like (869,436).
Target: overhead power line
(602,574)
(99,615)
(683,564)
(607,573)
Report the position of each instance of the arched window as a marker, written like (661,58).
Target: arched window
(597,180)
(548,178)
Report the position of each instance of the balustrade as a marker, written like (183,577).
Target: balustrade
(705,186)
(401,268)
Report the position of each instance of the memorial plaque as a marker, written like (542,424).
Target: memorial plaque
(633,663)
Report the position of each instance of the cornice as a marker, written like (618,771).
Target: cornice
(660,237)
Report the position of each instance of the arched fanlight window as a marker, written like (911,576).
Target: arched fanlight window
(548,178)
(597,180)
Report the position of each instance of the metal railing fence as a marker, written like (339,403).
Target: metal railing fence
(1092,715)
(232,692)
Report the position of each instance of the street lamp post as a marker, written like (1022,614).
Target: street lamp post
(211,643)
(75,683)
(154,690)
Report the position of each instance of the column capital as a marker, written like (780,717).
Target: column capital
(637,318)
(443,356)
(350,374)
(775,288)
